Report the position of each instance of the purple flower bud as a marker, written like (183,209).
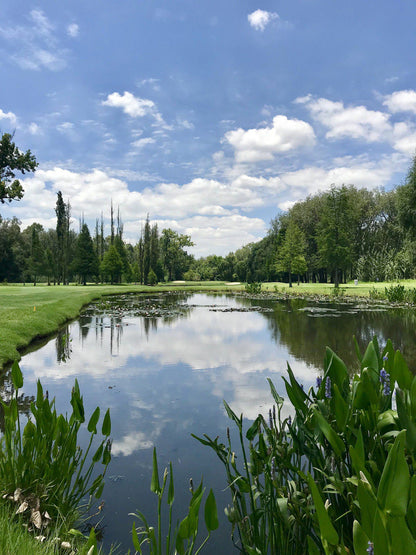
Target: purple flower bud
(328,393)
(385,381)
(370,548)
(318,382)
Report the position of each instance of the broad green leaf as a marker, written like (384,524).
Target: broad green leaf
(106,427)
(211,515)
(92,424)
(366,392)
(368,506)
(171,489)
(328,532)
(254,428)
(336,442)
(16,375)
(340,407)
(154,484)
(279,400)
(335,368)
(370,360)
(413,398)
(360,539)
(405,421)
(231,414)
(401,372)
(135,538)
(313,549)
(393,490)
(401,538)
(379,535)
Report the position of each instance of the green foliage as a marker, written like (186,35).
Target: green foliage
(181,539)
(151,278)
(339,474)
(253,288)
(42,468)
(12,160)
(395,293)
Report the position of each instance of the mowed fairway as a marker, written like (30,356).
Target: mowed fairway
(28,312)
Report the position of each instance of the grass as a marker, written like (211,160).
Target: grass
(28,313)
(15,539)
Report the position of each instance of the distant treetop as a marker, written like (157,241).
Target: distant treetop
(12,160)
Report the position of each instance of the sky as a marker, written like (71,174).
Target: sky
(211,116)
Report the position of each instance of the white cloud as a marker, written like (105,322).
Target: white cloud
(259,19)
(8,115)
(283,136)
(34,46)
(309,181)
(140,143)
(34,129)
(73,30)
(133,106)
(356,122)
(401,101)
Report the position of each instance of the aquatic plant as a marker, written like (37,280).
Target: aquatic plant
(42,468)
(338,477)
(182,538)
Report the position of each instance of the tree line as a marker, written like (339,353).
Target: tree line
(333,236)
(62,255)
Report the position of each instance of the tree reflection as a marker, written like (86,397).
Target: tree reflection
(306,333)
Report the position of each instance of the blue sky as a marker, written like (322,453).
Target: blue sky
(210,116)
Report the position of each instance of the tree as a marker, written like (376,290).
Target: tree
(335,231)
(61,232)
(112,265)
(175,259)
(12,160)
(291,255)
(37,259)
(86,261)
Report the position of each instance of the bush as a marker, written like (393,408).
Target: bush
(151,278)
(42,468)
(395,293)
(339,475)
(253,288)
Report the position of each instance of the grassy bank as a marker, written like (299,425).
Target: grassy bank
(28,312)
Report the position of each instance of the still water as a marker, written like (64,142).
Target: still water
(164,363)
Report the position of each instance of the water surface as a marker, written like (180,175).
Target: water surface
(164,363)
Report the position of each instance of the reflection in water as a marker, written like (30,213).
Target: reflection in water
(164,363)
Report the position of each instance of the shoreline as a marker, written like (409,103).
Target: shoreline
(29,314)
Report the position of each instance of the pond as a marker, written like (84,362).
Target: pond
(163,365)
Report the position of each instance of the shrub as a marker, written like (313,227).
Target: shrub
(42,468)
(395,293)
(339,475)
(253,288)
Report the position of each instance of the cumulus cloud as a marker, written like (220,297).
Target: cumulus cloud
(259,19)
(308,181)
(8,116)
(282,136)
(133,106)
(34,46)
(401,101)
(209,210)
(356,122)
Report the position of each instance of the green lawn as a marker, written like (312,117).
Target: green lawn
(28,312)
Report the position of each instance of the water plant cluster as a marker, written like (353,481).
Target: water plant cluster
(395,293)
(44,474)
(336,476)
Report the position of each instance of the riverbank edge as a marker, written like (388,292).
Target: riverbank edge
(29,314)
